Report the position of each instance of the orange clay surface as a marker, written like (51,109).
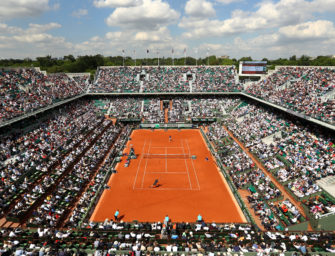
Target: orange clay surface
(185,189)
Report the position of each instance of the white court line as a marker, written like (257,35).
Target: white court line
(145,167)
(189,152)
(164,189)
(139,164)
(188,174)
(169,172)
(166,147)
(166,160)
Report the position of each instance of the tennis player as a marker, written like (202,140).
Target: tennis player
(155,184)
(170,138)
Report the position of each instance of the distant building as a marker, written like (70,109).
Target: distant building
(223,57)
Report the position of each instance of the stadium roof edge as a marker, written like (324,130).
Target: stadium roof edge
(184,66)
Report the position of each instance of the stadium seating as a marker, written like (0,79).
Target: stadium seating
(54,171)
(25,90)
(165,79)
(303,89)
(306,90)
(122,238)
(44,146)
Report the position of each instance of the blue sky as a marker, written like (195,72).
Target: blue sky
(269,28)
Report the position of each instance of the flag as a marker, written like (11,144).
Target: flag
(172,51)
(184,50)
(147,50)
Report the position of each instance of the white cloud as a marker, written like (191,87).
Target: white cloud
(114,35)
(151,15)
(309,30)
(80,13)
(114,42)
(311,38)
(323,5)
(268,15)
(228,1)
(116,3)
(32,42)
(199,8)
(163,34)
(37,28)
(22,8)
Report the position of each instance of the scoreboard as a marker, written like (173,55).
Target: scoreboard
(253,68)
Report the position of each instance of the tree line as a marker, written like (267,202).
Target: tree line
(89,63)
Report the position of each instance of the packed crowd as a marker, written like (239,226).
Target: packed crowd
(320,205)
(263,211)
(146,239)
(301,89)
(43,146)
(252,124)
(206,107)
(216,79)
(124,108)
(122,79)
(179,110)
(88,200)
(235,159)
(25,90)
(244,175)
(153,111)
(40,189)
(166,79)
(71,187)
(66,150)
(297,155)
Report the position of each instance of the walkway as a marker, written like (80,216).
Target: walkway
(166,115)
(244,195)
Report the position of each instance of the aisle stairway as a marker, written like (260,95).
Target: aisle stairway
(166,115)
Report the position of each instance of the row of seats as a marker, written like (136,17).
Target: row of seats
(197,239)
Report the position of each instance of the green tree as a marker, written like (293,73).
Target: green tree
(70,58)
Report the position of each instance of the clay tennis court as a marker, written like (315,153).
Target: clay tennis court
(186,187)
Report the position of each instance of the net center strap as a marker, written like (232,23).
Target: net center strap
(170,156)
